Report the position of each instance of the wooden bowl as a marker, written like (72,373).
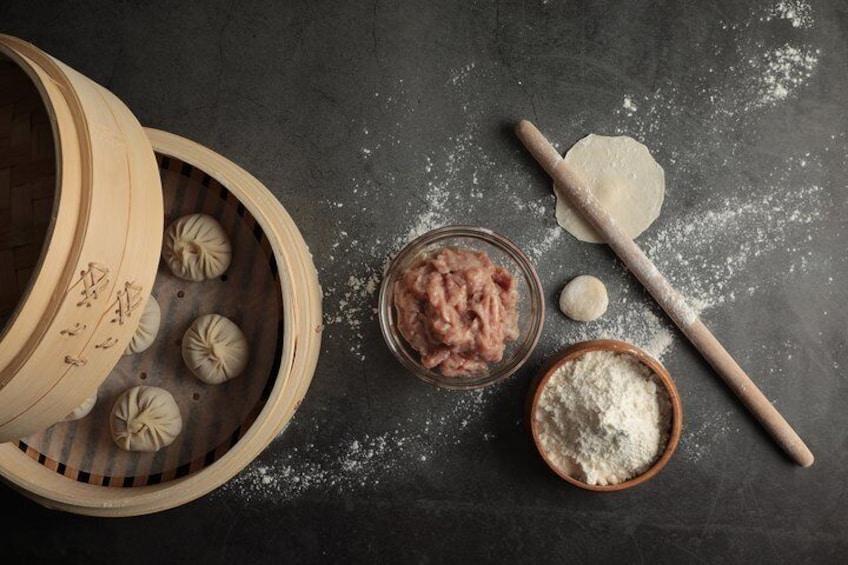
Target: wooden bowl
(662,377)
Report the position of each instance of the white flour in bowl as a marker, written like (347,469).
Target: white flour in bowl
(602,419)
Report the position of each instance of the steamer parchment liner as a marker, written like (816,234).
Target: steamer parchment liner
(213,415)
(53,483)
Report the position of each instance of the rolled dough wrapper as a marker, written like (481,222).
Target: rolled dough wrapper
(622,175)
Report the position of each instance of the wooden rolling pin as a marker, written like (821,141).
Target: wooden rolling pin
(671,301)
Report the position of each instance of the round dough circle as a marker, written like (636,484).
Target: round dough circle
(584,299)
(83,409)
(147,329)
(215,349)
(145,418)
(622,175)
(196,248)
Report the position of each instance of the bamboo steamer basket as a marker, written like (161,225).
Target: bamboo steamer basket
(271,290)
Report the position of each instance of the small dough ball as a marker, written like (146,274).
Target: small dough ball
(196,248)
(83,409)
(147,329)
(215,349)
(584,299)
(621,174)
(145,418)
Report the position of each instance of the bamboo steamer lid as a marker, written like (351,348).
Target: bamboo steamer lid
(83,300)
(97,268)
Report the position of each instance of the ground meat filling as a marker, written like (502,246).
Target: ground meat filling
(458,310)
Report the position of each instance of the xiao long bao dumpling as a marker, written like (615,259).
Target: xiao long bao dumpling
(196,248)
(215,349)
(147,329)
(83,409)
(145,418)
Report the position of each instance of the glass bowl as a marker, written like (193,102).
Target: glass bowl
(503,253)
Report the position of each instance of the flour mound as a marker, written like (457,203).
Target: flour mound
(602,418)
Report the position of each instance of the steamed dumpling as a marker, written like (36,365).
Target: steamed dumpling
(215,349)
(83,409)
(147,329)
(196,248)
(145,418)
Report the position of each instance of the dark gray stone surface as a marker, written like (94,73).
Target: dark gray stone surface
(366,117)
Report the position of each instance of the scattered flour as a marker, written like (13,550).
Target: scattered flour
(552,236)
(780,72)
(797,12)
(459,75)
(702,434)
(367,460)
(633,321)
(746,229)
